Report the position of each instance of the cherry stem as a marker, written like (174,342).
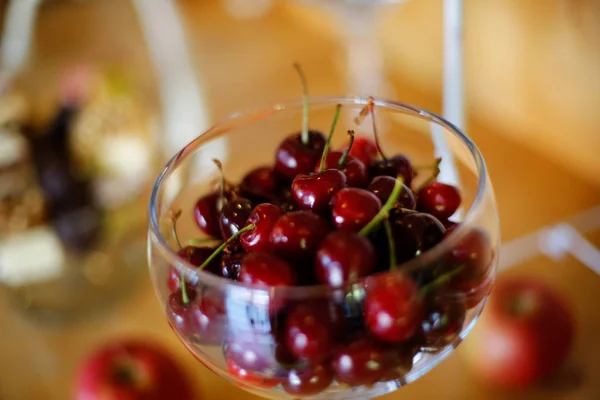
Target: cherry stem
(200,241)
(221,186)
(385,209)
(224,244)
(390,240)
(304,135)
(345,155)
(436,163)
(174,218)
(440,281)
(328,142)
(371,106)
(434,175)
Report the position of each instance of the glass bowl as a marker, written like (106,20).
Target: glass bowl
(242,332)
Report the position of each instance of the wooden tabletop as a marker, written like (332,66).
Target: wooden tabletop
(249,63)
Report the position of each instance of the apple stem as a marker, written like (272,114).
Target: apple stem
(328,142)
(385,209)
(441,281)
(221,185)
(174,217)
(345,154)
(434,175)
(224,244)
(304,135)
(390,240)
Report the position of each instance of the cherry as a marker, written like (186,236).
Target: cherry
(230,265)
(298,234)
(438,199)
(443,320)
(248,377)
(294,157)
(474,253)
(399,165)
(263,217)
(414,233)
(314,191)
(364,149)
(310,380)
(234,215)
(265,269)
(195,256)
(283,198)
(353,208)
(382,186)
(362,362)
(393,307)
(354,170)
(310,330)
(207,215)
(344,256)
(259,184)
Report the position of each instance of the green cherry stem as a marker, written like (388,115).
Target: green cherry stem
(385,210)
(371,106)
(345,154)
(441,280)
(331,130)
(174,217)
(221,185)
(390,240)
(304,135)
(434,175)
(201,241)
(224,244)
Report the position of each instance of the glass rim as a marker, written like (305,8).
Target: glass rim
(255,114)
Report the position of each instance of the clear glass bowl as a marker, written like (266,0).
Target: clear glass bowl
(226,317)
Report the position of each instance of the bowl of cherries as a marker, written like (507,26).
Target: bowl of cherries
(317,260)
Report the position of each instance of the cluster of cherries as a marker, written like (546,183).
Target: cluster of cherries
(336,218)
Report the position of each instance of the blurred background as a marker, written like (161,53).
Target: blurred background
(95,96)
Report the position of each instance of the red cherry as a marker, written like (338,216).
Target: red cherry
(344,256)
(393,307)
(309,380)
(259,184)
(382,186)
(414,233)
(353,208)
(294,157)
(354,169)
(234,215)
(398,165)
(248,377)
(298,234)
(265,269)
(363,362)
(364,149)
(314,191)
(195,256)
(207,215)
(263,217)
(442,321)
(230,265)
(438,199)
(474,253)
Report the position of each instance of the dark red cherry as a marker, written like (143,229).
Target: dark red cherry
(474,253)
(382,186)
(298,234)
(265,269)
(310,380)
(283,198)
(443,320)
(364,149)
(234,215)
(195,256)
(438,199)
(294,157)
(231,262)
(344,256)
(353,168)
(393,307)
(207,215)
(259,184)
(263,217)
(353,208)
(363,362)
(314,191)
(398,165)
(414,233)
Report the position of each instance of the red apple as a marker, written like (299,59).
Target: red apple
(524,334)
(131,370)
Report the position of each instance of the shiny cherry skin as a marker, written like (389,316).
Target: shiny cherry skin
(353,208)
(314,191)
(195,256)
(414,233)
(294,157)
(344,256)
(443,320)
(234,215)
(266,269)
(438,199)
(398,165)
(353,168)
(207,215)
(474,253)
(248,377)
(393,307)
(298,234)
(362,362)
(311,329)
(382,186)
(364,149)
(230,264)
(310,380)
(263,217)
(259,184)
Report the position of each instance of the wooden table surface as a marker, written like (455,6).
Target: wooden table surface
(249,64)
